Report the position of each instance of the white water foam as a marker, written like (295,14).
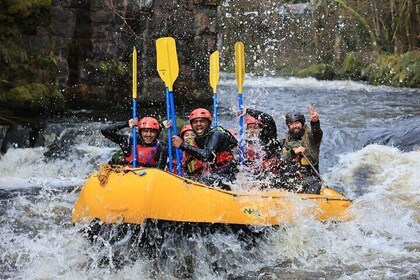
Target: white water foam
(27,168)
(228,79)
(39,242)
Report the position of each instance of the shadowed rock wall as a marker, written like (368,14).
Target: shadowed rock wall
(93,42)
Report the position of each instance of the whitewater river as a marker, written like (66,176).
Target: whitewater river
(370,152)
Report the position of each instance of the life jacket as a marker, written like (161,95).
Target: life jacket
(272,165)
(224,158)
(191,165)
(252,156)
(250,151)
(146,156)
(301,162)
(195,167)
(174,164)
(290,144)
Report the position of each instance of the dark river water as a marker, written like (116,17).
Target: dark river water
(370,152)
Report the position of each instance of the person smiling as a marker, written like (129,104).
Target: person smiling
(301,149)
(212,146)
(150,151)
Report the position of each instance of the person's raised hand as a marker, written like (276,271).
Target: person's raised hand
(243,113)
(176,141)
(133,122)
(313,113)
(167,124)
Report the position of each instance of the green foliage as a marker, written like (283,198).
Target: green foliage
(48,62)
(22,70)
(359,17)
(396,70)
(11,50)
(33,98)
(319,71)
(352,67)
(105,67)
(286,69)
(25,7)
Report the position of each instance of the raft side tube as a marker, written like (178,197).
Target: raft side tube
(136,195)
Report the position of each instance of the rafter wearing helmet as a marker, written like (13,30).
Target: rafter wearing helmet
(150,151)
(212,146)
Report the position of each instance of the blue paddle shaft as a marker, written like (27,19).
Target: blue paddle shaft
(177,151)
(134,148)
(241,127)
(168,117)
(215,109)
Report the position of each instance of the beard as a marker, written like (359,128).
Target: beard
(297,134)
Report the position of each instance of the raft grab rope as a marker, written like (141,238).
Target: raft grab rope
(106,169)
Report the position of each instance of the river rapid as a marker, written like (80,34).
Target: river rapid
(370,152)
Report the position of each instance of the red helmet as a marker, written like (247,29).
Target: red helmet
(148,122)
(200,113)
(252,120)
(186,128)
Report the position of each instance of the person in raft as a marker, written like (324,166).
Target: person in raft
(150,151)
(212,147)
(300,152)
(187,135)
(261,149)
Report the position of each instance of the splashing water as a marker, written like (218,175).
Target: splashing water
(37,193)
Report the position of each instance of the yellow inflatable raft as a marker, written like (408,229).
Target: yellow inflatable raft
(137,195)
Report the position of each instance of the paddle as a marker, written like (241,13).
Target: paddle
(314,169)
(240,74)
(134,151)
(167,66)
(214,80)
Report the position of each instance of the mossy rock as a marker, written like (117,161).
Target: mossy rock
(318,71)
(105,67)
(32,99)
(285,70)
(25,7)
(396,70)
(410,68)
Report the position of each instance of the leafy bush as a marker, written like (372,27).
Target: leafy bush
(396,70)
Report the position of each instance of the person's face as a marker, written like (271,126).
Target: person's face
(253,130)
(188,135)
(148,135)
(295,127)
(200,125)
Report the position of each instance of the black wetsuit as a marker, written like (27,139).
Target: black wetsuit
(212,147)
(125,142)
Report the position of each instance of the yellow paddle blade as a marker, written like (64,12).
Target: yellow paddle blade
(239,65)
(214,70)
(134,73)
(167,61)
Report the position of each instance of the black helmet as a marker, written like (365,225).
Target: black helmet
(295,116)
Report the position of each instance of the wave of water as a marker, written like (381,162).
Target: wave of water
(38,241)
(38,191)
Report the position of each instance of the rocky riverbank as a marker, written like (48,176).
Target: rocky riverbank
(61,55)
(380,69)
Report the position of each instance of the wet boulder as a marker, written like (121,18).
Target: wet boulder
(21,136)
